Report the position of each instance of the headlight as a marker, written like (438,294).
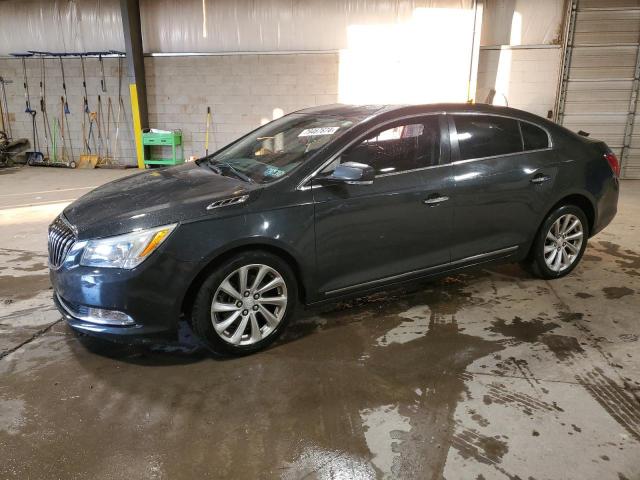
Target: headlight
(124,251)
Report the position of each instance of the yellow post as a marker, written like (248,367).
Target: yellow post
(137,130)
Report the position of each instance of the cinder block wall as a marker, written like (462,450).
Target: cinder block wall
(11,69)
(243,91)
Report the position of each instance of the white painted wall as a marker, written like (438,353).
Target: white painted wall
(522,22)
(524,78)
(521,53)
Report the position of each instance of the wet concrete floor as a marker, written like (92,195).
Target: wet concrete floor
(483,375)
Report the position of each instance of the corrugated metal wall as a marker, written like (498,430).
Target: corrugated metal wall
(202,26)
(601,82)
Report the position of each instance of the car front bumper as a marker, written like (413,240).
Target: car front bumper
(135,332)
(147,299)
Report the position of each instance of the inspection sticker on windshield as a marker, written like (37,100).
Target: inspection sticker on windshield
(310,132)
(273,172)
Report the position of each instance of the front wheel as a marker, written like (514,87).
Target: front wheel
(245,304)
(560,243)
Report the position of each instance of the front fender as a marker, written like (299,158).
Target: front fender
(288,230)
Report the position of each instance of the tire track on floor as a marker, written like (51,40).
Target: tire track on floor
(620,403)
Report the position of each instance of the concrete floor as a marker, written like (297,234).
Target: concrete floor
(489,374)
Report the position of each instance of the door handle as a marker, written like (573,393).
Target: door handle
(540,178)
(436,199)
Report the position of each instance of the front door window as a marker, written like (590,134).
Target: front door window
(404,146)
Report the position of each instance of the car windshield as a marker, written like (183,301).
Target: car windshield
(278,147)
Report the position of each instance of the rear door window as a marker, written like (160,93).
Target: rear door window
(487,136)
(533,137)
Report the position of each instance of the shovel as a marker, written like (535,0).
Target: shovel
(88,159)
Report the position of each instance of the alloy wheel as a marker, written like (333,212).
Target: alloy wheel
(563,242)
(249,304)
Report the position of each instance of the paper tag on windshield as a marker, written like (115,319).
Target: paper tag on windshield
(310,132)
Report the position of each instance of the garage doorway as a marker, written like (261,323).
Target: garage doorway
(599,83)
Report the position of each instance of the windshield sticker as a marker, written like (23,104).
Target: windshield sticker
(311,132)
(273,172)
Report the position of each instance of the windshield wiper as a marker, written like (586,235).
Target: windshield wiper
(217,166)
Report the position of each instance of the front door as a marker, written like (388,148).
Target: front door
(395,227)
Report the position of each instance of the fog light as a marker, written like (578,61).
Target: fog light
(100,316)
(107,317)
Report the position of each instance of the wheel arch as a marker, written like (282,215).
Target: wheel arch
(579,200)
(206,269)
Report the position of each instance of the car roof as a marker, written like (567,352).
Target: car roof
(342,109)
(366,112)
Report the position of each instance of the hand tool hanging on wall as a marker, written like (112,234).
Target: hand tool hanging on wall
(64,82)
(103,80)
(106,160)
(9,147)
(82,159)
(104,147)
(112,144)
(88,158)
(100,125)
(2,120)
(69,159)
(66,153)
(46,126)
(93,125)
(63,155)
(206,133)
(34,156)
(54,143)
(85,110)
(4,109)
(85,99)
(86,150)
(121,109)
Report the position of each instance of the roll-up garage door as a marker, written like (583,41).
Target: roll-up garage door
(599,91)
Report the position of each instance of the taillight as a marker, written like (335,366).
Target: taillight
(613,163)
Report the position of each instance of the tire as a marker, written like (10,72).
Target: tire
(543,261)
(263,267)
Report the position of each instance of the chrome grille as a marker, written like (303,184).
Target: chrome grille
(61,239)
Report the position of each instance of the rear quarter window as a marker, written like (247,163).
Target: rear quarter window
(533,137)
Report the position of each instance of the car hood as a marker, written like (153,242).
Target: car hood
(151,198)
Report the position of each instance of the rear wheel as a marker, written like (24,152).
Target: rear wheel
(560,243)
(245,304)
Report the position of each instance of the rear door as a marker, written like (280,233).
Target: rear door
(395,227)
(504,169)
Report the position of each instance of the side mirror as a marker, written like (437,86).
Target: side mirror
(350,173)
